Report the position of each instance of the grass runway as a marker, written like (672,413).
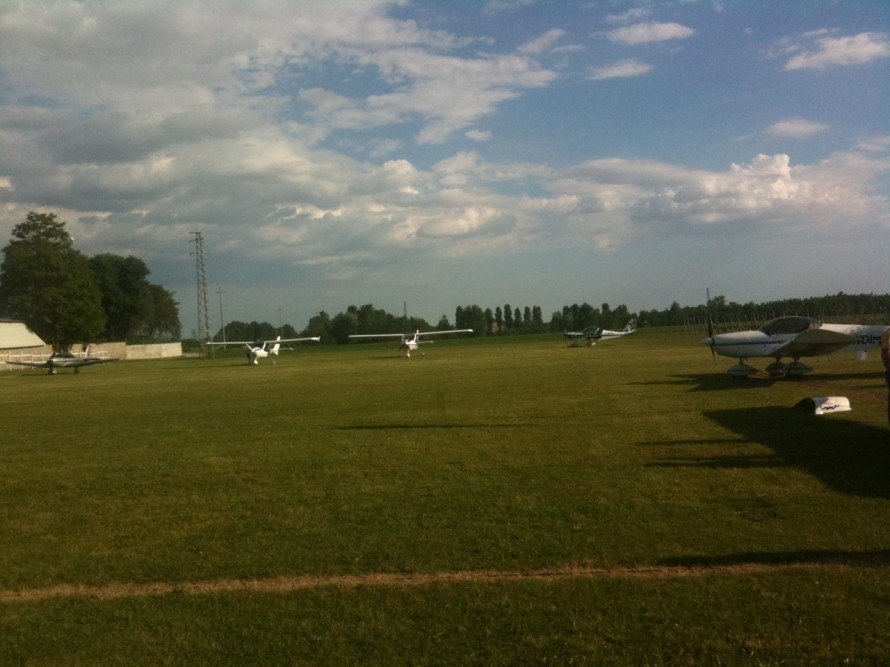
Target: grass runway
(495,501)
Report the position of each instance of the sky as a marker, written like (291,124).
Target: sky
(436,154)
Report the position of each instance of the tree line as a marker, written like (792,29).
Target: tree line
(337,329)
(66,297)
(367,319)
(851,308)
(507,320)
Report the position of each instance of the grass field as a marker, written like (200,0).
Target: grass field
(497,501)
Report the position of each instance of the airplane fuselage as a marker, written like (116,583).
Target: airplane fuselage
(409,345)
(254,354)
(745,344)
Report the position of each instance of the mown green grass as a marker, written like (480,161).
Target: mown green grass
(483,455)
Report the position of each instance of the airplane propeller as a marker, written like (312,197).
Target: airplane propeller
(711,327)
(711,337)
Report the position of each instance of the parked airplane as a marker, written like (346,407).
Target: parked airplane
(791,336)
(258,349)
(63,360)
(411,343)
(592,334)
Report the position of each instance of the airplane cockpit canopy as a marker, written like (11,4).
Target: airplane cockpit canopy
(789,324)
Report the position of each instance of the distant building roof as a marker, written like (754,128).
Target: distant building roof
(14,335)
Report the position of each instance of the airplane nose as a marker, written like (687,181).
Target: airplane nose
(707,341)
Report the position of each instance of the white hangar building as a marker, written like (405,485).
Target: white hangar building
(16,336)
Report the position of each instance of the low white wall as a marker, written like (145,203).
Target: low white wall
(38,354)
(153,351)
(120,351)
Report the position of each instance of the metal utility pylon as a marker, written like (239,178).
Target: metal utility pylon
(203,331)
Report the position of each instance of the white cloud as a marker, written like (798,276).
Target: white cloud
(478,135)
(138,123)
(624,68)
(641,33)
(378,148)
(620,200)
(467,166)
(875,144)
(449,93)
(156,59)
(633,14)
(795,128)
(543,43)
(841,51)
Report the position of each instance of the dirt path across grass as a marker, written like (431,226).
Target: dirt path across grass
(289,584)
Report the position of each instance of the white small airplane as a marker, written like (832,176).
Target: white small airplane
(259,349)
(593,333)
(791,336)
(411,343)
(62,360)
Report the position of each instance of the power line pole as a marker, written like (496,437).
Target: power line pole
(203,331)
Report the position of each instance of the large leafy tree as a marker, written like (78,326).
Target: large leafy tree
(344,325)
(319,325)
(48,284)
(161,322)
(125,293)
(136,308)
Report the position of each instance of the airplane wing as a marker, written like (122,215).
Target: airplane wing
(449,331)
(36,364)
(60,362)
(389,335)
(813,342)
(260,342)
(67,363)
(410,335)
(589,333)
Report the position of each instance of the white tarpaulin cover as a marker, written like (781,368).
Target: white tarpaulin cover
(825,404)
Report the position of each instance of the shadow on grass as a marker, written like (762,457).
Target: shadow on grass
(877,558)
(392,357)
(768,461)
(714,382)
(848,456)
(387,427)
(698,441)
(720,381)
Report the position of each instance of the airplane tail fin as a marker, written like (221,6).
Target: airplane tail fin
(630,326)
(276,347)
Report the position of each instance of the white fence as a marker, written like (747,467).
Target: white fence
(100,351)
